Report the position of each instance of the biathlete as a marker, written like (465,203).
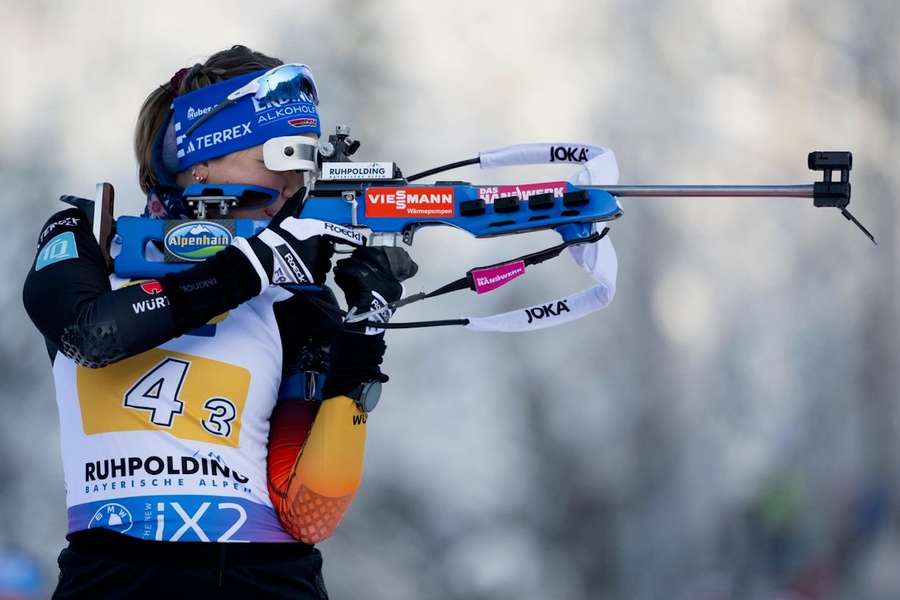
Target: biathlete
(226,402)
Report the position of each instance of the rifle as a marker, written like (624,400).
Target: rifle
(377,197)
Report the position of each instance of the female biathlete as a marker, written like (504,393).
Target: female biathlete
(221,403)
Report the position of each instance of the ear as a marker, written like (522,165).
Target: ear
(199,172)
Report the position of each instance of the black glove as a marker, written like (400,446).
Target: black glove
(371,279)
(292,250)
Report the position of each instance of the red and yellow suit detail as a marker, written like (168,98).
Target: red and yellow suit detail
(315,463)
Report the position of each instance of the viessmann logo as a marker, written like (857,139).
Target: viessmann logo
(197,240)
(410,202)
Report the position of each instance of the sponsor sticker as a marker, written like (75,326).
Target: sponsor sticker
(546,311)
(490,278)
(112,516)
(196,113)
(60,248)
(389,202)
(64,222)
(300,112)
(523,191)
(149,305)
(196,240)
(218,137)
(351,236)
(151,287)
(576,154)
(288,260)
(347,171)
(303,122)
(211,513)
(106,469)
(302,103)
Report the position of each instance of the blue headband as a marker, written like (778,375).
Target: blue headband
(245,123)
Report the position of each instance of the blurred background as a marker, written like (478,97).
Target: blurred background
(727,428)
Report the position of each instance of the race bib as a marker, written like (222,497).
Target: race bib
(188,396)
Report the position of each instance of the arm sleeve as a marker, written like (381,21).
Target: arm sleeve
(355,358)
(316,450)
(68,296)
(315,464)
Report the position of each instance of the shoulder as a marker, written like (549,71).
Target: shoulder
(66,235)
(69,219)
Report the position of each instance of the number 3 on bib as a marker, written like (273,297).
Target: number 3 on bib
(221,414)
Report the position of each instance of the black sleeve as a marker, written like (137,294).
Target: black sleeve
(307,322)
(68,296)
(355,358)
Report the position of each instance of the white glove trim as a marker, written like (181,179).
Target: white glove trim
(283,253)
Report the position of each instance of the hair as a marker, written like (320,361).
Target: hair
(155,111)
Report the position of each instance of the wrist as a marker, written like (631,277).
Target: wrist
(354,359)
(210,288)
(260,257)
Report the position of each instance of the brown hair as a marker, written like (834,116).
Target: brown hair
(155,111)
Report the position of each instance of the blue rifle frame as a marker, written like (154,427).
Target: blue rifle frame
(572,215)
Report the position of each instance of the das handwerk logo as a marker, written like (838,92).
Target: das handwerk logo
(197,240)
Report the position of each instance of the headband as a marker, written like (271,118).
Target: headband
(247,122)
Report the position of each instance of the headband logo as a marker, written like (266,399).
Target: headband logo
(219,137)
(281,112)
(194,113)
(264,104)
(303,122)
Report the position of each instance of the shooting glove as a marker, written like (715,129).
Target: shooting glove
(371,279)
(292,250)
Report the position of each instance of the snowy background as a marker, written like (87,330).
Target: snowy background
(726,429)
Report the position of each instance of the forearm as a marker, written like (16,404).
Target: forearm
(316,450)
(70,300)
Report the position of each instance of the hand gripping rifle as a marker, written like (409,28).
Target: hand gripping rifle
(377,197)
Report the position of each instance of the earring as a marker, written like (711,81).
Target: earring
(198,178)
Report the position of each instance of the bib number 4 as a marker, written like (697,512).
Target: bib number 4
(158,390)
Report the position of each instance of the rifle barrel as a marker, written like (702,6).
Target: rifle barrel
(707,191)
